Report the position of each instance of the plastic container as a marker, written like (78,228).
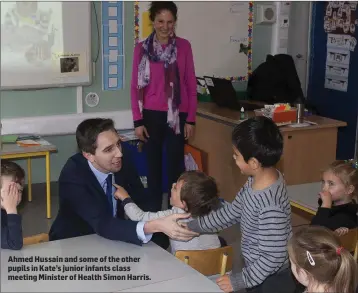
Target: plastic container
(280,116)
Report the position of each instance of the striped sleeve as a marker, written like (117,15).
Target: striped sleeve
(273,235)
(226,216)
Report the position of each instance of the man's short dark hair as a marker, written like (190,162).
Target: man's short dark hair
(88,131)
(259,138)
(200,193)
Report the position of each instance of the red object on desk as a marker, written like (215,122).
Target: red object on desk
(281,116)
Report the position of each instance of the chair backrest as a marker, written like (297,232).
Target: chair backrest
(196,154)
(35,239)
(208,262)
(350,241)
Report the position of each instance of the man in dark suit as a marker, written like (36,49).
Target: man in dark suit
(87,204)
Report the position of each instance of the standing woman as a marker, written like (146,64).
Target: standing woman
(164,99)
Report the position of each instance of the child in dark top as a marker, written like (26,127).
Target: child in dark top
(12,181)
(338,210)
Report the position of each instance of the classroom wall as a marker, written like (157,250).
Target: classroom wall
(63,100)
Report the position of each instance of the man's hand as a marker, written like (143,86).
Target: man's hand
(224,283)
(326,197)
(120,193)
(169,225)
(10,198)
(341,231)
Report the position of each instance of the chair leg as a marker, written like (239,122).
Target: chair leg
(223,264)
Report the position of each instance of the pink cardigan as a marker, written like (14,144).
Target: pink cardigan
(154,98)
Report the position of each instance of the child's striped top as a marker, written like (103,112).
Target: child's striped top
(265,221)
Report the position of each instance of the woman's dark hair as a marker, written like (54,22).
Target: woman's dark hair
(157,6)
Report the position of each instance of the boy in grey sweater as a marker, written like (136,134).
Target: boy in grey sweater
(194,193)
(261,207)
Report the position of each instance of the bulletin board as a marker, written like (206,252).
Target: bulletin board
(220,34)
(340,24)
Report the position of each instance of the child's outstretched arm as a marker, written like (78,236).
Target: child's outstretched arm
(133,211)
(11,234)
(226,216)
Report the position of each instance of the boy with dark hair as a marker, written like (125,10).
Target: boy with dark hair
(12,181)
(261,207)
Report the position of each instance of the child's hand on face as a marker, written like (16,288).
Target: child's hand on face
(341,231)
(120,193)
(326,197)
(10,198)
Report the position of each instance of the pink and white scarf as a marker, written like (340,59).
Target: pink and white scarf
(153,51)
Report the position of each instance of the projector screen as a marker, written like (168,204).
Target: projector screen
(45,44)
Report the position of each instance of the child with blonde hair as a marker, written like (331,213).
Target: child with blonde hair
(320,263)
(338,210)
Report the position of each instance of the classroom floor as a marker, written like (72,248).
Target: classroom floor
(35,221)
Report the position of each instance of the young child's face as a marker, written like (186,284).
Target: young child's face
(175,200)
(240,162)
(6,180)
(335,187)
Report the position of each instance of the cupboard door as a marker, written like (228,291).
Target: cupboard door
(306,153)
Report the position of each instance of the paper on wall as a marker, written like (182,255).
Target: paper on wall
(337,61)
(69,64)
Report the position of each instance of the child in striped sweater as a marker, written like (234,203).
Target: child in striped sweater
(261,207)
(194,193)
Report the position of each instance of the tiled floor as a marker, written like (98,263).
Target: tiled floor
(35,221)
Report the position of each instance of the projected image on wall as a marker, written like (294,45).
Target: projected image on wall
(31,34)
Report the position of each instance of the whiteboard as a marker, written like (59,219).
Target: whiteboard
(45,44)
(220,34)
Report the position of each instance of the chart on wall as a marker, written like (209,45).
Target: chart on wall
(340,24)
(220,34)
(112,45)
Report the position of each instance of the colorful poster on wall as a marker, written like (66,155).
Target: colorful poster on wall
(340,17)
(340,23)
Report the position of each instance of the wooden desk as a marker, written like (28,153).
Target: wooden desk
(307,150)
(153,262)
(13,151)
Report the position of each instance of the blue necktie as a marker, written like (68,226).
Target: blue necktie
(109,191)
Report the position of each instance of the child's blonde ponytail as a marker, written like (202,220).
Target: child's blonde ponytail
(319,252)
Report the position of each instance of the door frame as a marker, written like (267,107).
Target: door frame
(308,69)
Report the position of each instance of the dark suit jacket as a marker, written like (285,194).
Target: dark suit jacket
(83,206)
